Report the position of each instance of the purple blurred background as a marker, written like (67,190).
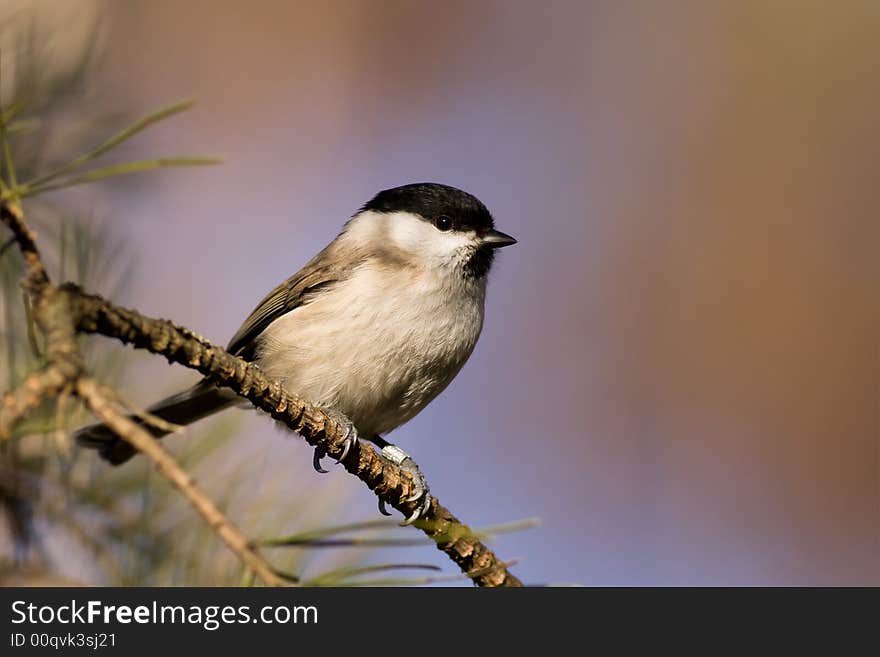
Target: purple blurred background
(680,368)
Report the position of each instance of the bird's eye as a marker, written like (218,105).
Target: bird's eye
(443,223)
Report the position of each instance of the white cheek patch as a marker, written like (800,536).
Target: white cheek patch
(415,235)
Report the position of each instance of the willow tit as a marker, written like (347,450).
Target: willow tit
(373,327)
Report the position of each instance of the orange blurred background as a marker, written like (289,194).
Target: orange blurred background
(680,368)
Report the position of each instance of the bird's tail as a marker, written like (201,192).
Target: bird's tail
(200,401)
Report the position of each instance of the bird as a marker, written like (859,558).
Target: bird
(370,330)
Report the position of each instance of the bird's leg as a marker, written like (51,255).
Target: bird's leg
(404,461)
(349,439)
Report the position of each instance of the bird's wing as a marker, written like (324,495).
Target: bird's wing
(319,273)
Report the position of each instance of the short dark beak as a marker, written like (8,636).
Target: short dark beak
(495,239)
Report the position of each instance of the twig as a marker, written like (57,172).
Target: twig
(99,399)
(146,416)
(54,317)
(36,276)
(18,403)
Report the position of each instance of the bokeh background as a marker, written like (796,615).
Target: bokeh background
(680,368)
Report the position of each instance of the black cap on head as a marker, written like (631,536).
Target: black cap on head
(432,200)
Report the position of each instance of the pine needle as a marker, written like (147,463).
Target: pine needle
(120,170)
(111,143)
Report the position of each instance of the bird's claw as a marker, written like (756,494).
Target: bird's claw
(320,453)
(349,440)
(420,486)
(420,512)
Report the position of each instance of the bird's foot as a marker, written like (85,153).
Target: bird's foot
(349,439)
(421,493)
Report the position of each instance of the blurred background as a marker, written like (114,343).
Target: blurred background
(680,368)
